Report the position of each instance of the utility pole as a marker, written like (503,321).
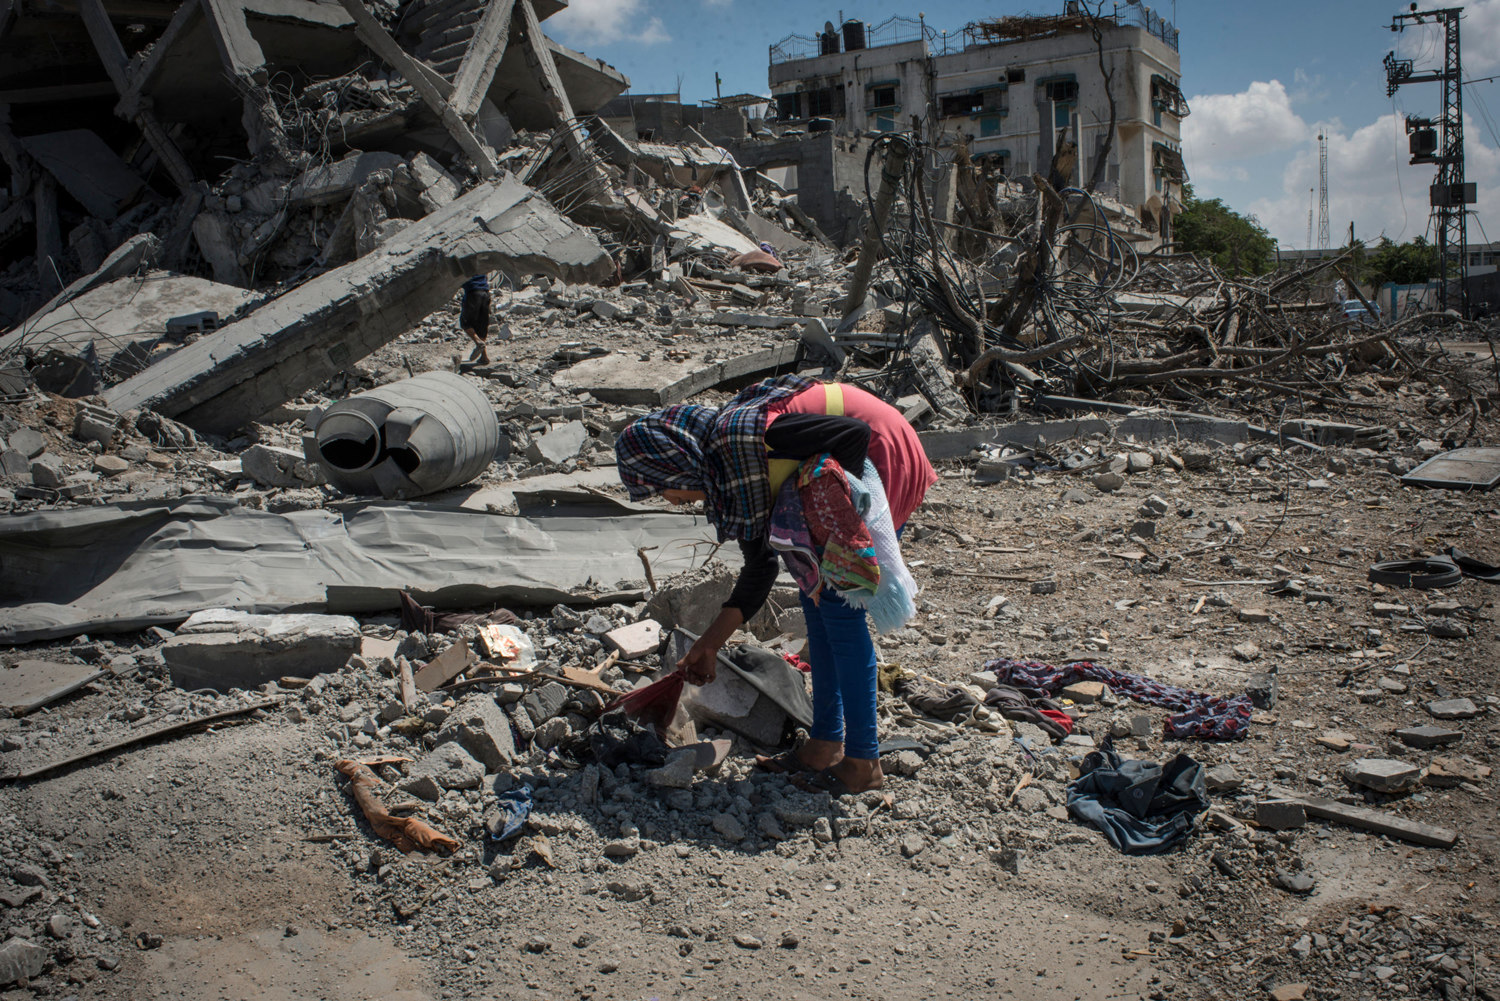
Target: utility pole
(1322,191)
(1442,145)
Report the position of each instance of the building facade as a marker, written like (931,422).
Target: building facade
(1012,87)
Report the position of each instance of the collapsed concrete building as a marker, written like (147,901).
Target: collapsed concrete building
(312,102)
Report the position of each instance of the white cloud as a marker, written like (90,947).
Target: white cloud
(1225,128)
(601,22)
(1480,34)
(1370,182)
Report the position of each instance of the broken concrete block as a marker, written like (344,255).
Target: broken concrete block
(48,472)
(558,445)
(636,641)
(545,702)
(221,648)
(732,703)
(1109,482)
(1280,814)
(95,424)
(1086,693)
(14,463)
(110,465)
(692,601)
(1223,778)
(677,773)
(1429,736)
(450,766)
(437,185)
(422,787)
(1386,775)
(1443,708)
(28,442)
(481,726)
(1447,771)
(280,467)
(21,959)
(328,184)
(1254,615)
(1262,686)
(323,327)
(1139,462)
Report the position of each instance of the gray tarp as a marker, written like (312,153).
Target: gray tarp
(118,568)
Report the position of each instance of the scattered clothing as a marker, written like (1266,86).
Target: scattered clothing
(513,809)
(618,738)
(797,662)
(1199,714)
(655,703)
(1142,807)
(1026,707)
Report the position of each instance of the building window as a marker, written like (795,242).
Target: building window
(989,125)
(1015,76)
(788,106)
(1167,97)
(883,97)
(1060,91)
(955,105)
(827,101)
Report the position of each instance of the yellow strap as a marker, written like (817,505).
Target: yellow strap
(780,469)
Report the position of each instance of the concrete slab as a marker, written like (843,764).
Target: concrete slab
(222,648)
(87,169)
(32,684)
(660,382)
(323,327)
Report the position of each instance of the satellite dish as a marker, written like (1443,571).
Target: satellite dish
(827,27)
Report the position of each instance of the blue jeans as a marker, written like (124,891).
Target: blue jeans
(843,674)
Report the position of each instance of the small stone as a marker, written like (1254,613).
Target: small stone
(1335,740)
(677,773)
(422,787)
(912,844)
(555,732)
(728,827)
(1386,775)
(1076,496)
(1447,629)
(1223,778)
(110,465)
(1289,992)
(48,472)
(1012,860)
(767,824)
(28,875)
(450,766)
(1154,506)
(1452,709)
(747,941)
(789,940)
(1081,741)
(622,848)
(1298,883)
(537,945)
(58,926)
(1139,462)
(1246,650)
(1386,609)
(1447,771)
(1108,482)
(1144,529)
(1044,587)
(1254,615)
(823,830)
(902,763)
(28,442)
(21,959)
(1390,685)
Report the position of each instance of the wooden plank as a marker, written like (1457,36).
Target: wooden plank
(32,684)
(171,730)
(486,49)
(446,666)
(57,92)
(1374,820)
(383,45)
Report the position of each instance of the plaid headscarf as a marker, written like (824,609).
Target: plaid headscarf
(719,451)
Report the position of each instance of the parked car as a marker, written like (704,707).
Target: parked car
(1355,310)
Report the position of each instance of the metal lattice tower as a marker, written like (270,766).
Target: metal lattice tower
(1322,191)
(1443,146)
(1308,244)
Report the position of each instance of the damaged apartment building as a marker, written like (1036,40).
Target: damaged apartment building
(1011,89)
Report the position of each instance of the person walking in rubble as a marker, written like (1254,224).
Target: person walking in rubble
(474,316)
(756,465)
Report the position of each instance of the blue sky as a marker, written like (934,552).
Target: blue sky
(1263,79)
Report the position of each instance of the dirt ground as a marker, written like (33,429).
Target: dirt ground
(231,864)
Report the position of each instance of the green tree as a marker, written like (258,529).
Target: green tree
(1235,243)
(1402,263)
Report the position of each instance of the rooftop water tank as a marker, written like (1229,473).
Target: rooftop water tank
(854,35)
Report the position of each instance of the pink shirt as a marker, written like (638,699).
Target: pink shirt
(894,447)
